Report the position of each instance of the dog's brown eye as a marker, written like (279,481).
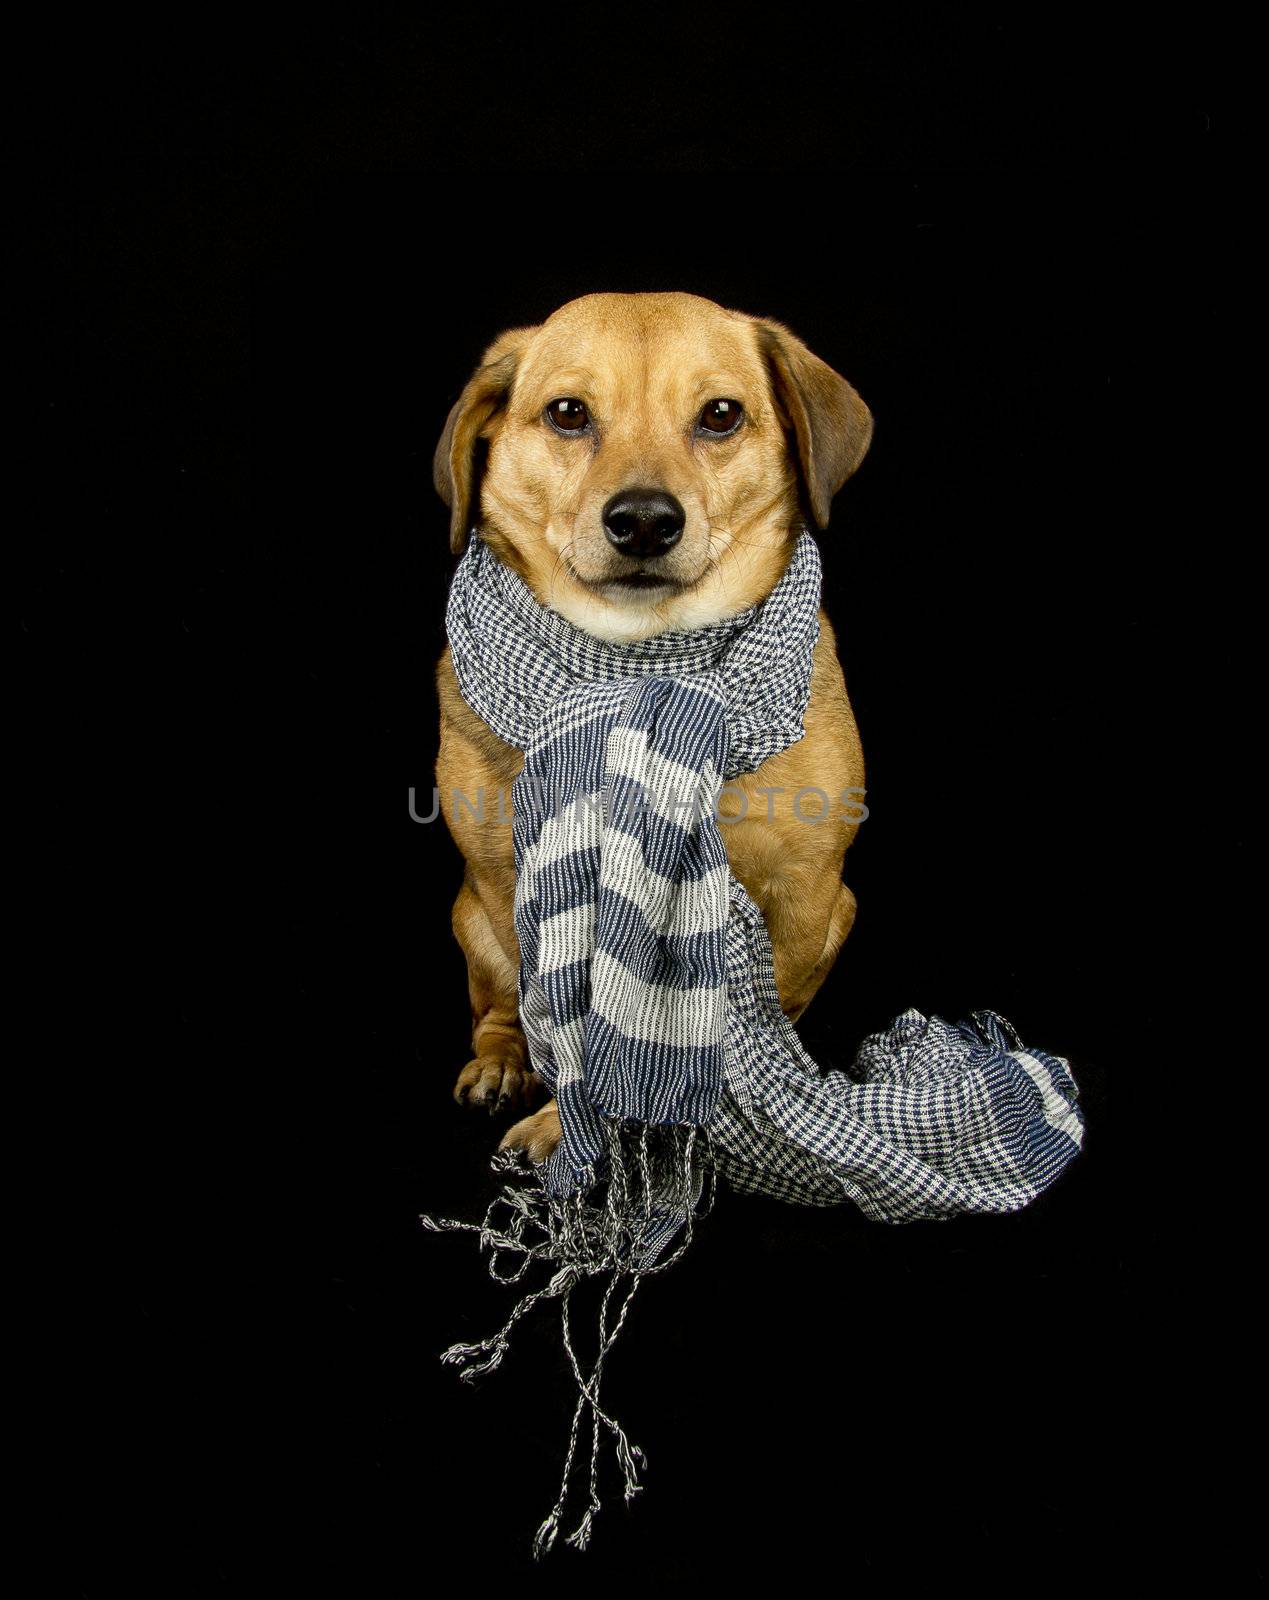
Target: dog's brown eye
(569,416)
(722,416)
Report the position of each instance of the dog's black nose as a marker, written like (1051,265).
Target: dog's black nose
(644,522)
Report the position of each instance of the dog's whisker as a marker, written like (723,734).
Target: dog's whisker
(724,549)
(563,559)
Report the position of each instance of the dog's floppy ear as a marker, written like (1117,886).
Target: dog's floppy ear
(454,466)
(832,424)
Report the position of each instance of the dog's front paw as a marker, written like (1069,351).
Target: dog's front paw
(537,1135)
(496,1083)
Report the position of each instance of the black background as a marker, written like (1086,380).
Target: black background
(273,255)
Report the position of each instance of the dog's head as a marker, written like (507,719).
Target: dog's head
(641,459)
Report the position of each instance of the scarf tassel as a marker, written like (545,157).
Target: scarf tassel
(648,1193)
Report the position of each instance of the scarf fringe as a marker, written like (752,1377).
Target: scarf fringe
(650,1177)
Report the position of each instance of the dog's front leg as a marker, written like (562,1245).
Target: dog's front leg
(499,1075)
(537,1135)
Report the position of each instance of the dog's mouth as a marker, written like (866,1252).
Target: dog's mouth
(640,580)
(619,585)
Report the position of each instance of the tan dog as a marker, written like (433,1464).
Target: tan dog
(642,460)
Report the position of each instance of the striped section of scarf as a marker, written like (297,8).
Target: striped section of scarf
(622,903)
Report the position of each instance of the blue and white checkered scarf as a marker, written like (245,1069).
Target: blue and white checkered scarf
(647,991)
